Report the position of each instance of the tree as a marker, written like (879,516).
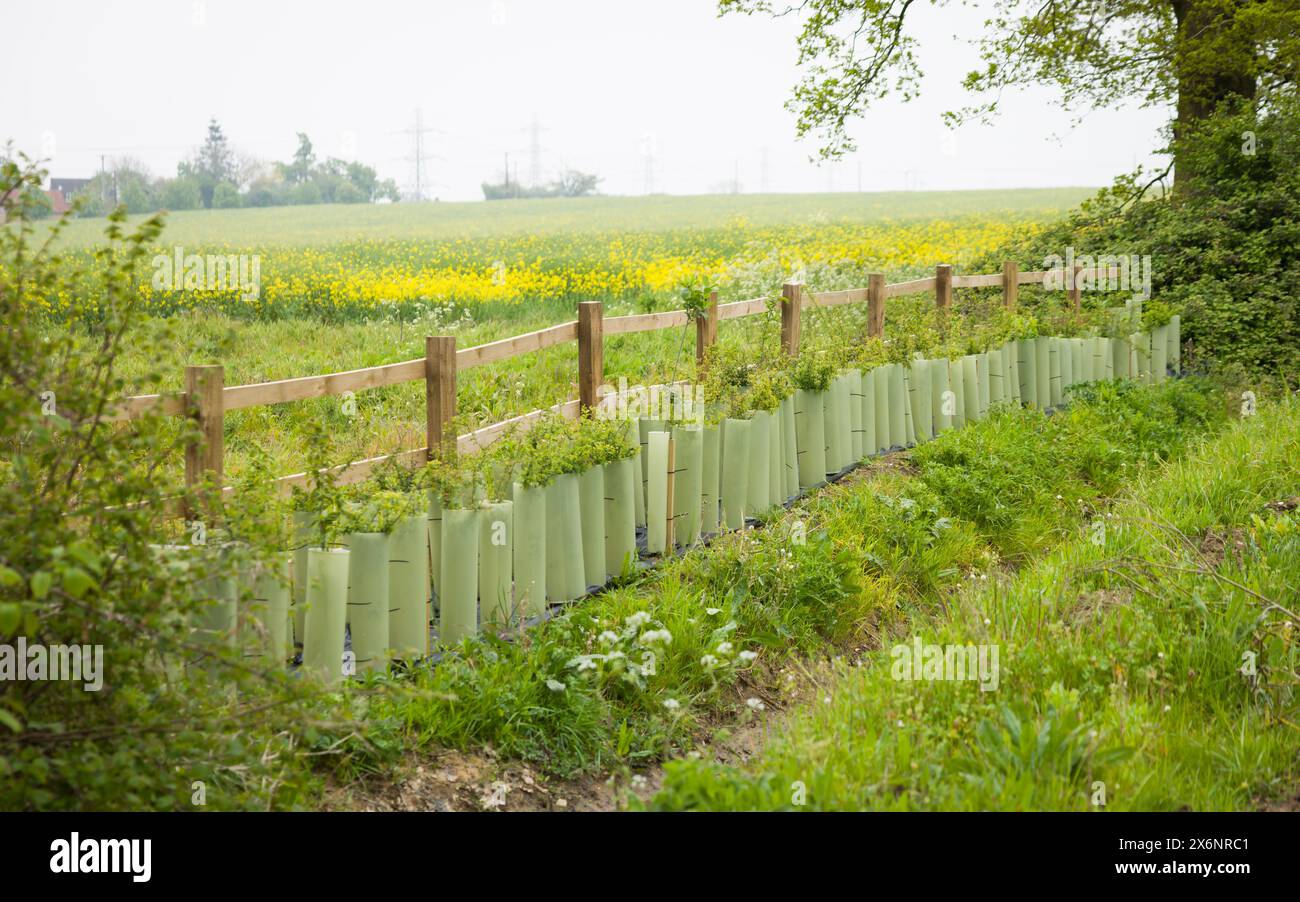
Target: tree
(180,193)
(304,160)
(213,164)
(573,183)
(1192,55)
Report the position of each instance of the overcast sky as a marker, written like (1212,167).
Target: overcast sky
(604,79)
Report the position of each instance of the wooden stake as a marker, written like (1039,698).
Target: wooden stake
(943,286)
(591,353)
(205,402)
(792,293)
(439,390)
(876,304)
(1010,283)
(706,333)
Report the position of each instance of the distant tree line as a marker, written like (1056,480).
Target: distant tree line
(571,183)
(219,177)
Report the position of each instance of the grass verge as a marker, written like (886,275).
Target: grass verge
(1148,662)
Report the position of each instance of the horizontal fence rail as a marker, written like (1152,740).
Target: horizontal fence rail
(207,399)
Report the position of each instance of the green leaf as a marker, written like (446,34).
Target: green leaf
(41,582)
(10,721)
(77,582)
(10,577)
(10,614)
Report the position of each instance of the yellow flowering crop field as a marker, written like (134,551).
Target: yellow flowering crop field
(514,259)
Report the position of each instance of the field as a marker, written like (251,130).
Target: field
(344,287)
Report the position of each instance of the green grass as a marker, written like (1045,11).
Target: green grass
(1121,654)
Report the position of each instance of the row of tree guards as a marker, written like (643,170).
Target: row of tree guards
(502,564)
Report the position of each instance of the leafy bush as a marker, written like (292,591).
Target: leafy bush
(1225,252)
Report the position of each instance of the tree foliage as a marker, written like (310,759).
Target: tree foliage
(1188,54)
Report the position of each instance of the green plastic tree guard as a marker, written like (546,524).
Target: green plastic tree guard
(1011,373)
(759,450)
(997,377)
(591,504)
(530,543)
(854,378)
(304,528)
(790,450)
(970,388)
(775,466)
(327,598)
(909,428)
(620,516)
(633,439)
(710,486)
(435,540)
(1175,350)
(656,498)
(844,420)
(646,426)
(688,468)
(1159,352)
(957,383)
(982,377)
(943,401)
(880,403)
(565,571)
(1043,371)
(735,471)
(1142,346)
(1027,362)
(897,406)
(810,444)
(922,409)
(367,605)
(496,557)
(1054,387)
(270,623)
(870,442)
(458,611)
(408,588)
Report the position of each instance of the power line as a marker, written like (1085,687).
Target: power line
(418,156)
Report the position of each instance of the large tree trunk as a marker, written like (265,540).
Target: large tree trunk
(1213,65)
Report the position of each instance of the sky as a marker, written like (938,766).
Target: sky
(660,96)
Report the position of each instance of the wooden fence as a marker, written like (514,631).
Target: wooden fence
(206,398)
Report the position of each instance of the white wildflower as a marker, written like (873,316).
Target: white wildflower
(672,704)
(555,685)
(755,704)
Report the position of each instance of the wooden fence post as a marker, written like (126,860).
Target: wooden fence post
(943,286)
(1075,299)
(439,390)
(876,304)
(792,300)
(706,333)
(591,353)
(1010,283)
(205,403)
